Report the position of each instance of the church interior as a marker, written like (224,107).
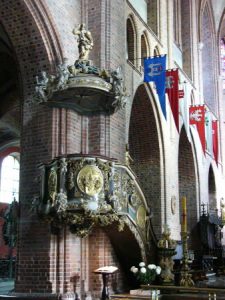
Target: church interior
(112,149)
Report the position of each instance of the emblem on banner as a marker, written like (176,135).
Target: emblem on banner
(155,69)
(196,115)
(169,82)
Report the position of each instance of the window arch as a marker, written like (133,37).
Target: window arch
(144,48)
(156,51)
(9,187)
(130,41)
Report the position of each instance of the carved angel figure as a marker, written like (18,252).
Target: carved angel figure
(121,96)
(63,74)
(85,41)
(42,86)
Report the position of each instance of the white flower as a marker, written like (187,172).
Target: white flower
(158,270)
(152,267)
(143,270)
(142,264)
(132,269)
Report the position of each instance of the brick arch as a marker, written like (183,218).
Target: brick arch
(187,185)
(146,151)
(207,38)
(131,39)
(33,37)
(212,190)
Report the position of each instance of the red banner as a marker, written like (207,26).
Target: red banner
(197,117)
(215,139)
(172,91)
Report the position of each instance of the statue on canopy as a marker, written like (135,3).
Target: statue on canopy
(85,41)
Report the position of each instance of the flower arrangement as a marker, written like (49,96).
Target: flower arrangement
(145,274)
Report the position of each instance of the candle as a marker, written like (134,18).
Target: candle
(184,214)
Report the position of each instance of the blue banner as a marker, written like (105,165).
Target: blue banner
(155,70)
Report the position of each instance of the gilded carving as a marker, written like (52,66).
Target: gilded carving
(90,180)
(84,40)
(141,216)
(87,191)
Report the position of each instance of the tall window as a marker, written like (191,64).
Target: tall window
(208,58)
(153,12)
(130,41)
(9,179)
(176,22)
(144,49)
(222,59)
(186,36)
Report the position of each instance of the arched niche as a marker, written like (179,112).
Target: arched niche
(212,190)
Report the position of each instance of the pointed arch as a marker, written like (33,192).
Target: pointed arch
(156,51)
(212,190)
(131,39)
(146,149)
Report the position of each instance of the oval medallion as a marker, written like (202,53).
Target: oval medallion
(90,180)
